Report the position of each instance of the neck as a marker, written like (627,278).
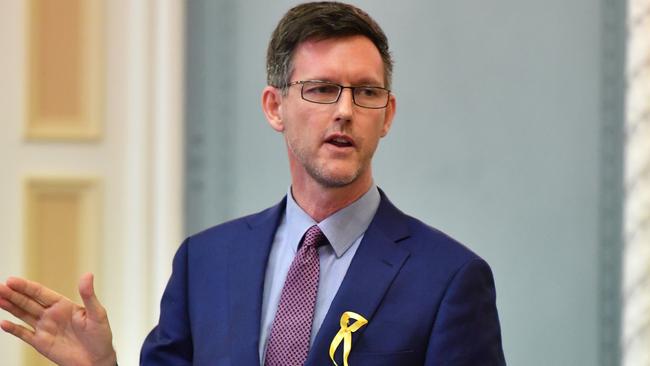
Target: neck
(320,202)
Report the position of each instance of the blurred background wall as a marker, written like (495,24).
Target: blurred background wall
(508,136)
(91,101)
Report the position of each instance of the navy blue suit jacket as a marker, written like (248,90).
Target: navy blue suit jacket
(428,299)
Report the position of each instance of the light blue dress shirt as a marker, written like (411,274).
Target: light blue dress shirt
(344,229)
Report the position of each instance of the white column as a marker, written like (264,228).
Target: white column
(167,115)
(636,266)
(145,114)
(134,94)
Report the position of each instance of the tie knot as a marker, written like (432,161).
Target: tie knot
(314,237)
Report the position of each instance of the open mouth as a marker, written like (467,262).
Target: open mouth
(340,141)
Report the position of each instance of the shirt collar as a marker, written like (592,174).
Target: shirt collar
(342,228)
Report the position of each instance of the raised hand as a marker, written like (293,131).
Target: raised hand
(66,333)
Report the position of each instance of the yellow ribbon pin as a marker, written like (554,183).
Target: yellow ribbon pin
(345,335)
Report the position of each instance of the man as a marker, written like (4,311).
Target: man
(334,272)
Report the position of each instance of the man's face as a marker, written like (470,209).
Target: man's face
(333,144)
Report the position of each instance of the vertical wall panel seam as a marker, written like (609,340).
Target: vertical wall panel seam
(611,176)
(210,69)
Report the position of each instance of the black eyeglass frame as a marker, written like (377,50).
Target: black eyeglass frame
(341,87)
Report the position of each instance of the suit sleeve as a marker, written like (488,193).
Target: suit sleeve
(467,331)
(170,342)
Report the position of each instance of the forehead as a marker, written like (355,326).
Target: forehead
(345,60)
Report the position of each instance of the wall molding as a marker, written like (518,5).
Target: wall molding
(62,235)
(64,76)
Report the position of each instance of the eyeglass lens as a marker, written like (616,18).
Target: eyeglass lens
(327,93)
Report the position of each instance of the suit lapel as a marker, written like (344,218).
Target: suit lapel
(372,270)
(247,257)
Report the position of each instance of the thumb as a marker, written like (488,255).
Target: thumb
(94,308)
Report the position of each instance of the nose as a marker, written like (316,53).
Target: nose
(345,105)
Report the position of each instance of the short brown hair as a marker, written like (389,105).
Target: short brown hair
(320,20)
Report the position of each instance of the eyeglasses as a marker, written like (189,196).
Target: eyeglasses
(323,92)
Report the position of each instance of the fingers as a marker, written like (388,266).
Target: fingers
(21,301)
(34,290)
(19,331)
(17,312)
(94,308)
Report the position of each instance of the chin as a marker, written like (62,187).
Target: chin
(335,182)
(336,178)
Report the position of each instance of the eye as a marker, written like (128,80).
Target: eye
(369,92)
(320,89)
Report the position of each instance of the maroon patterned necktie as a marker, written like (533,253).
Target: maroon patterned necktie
(288,343)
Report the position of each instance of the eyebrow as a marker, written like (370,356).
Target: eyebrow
(360,82)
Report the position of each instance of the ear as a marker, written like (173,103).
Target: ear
(389,114)
(272,107)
